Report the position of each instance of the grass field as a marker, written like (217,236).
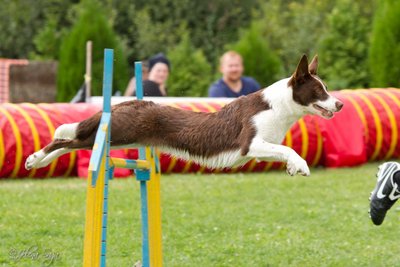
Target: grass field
(267,219)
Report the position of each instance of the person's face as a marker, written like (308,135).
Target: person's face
(232,68)
(145,72)
(159,73)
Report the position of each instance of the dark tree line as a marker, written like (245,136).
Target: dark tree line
(356,40)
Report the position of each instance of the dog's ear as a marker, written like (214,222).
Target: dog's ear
(313,67)
(302,69)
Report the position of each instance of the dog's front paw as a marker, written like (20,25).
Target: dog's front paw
(296,165)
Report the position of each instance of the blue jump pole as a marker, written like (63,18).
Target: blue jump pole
(143,176)
(107,89)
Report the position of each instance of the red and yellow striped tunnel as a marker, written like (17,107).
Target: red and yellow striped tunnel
(367,129)
(27,127)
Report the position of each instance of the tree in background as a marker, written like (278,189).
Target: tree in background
(384,52)
(20,22)
(56,20)
(343,49)
(190,72)
(154,36)
(91,25)
(146,27)
(213,24)
(159,24)
(259,61)
(293,28)
(123,14)
(47,41)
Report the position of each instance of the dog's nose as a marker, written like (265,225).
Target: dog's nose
(339,105)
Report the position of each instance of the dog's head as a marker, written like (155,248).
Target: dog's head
(310,92)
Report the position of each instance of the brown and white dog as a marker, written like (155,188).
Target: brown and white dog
(251,126)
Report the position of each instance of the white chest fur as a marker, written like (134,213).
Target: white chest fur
(271,127)
(272,124)
(220,160)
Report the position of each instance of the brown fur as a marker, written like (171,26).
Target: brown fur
(302,82)
(147,123)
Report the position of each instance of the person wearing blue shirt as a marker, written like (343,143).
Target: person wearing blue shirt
(232,83)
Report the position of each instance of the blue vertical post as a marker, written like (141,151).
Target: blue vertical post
(107,91)
(107,79)
(139,84)
(143,176)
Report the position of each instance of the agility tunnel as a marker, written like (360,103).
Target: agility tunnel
(367,129)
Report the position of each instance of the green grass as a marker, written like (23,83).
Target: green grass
(267,219)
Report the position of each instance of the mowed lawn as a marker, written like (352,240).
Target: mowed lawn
(264,219)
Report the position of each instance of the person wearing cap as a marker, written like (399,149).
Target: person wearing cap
(232,83)
(155,84)
(131,88)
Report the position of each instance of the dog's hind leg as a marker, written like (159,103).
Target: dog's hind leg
(50,157)
(55,149)
(64,137)
(67,137)
(35,160)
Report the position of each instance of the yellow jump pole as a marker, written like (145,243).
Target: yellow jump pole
(154,204)
(99,169)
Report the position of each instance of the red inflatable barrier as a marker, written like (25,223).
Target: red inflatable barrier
(26,128)
(367,129)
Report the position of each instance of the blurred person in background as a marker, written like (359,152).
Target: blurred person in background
(154,83)
(232,83)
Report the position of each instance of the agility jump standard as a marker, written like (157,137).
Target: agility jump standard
(100,171)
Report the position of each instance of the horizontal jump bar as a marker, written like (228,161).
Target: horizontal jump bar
(130,163)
